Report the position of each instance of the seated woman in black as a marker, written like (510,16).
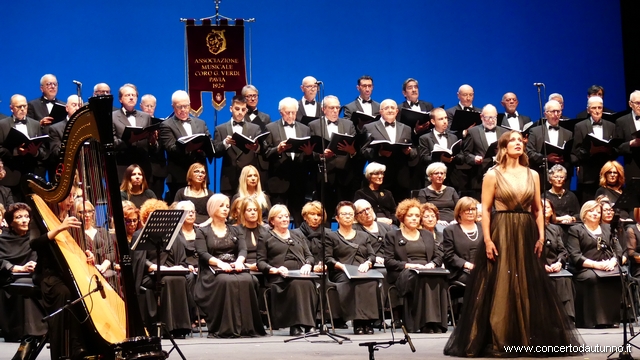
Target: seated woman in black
(187,236)
(442,196)
(225,292)
(594,258)
(564,201)
(249,228)
(367,223)
(349,247)
(380,199)
(293,301)
(196,191)
(250,185)
(460,241)
(313,215)
(408,249)
(134,186)
(430,218)
(555,259)
(20,317)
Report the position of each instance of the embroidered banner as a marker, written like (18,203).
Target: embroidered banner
(215,61)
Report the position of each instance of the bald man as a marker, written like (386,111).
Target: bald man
(40,108)
(510,117)
(465,103)
(308,106)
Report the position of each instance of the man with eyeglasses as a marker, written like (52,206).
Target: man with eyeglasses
(510,117)
(308,107)
(553,134)
(340,171)
(179,159)
(625,127)
(591,156)
(253,115)
(40,108)
(476,145)
(23,159)
(560,99)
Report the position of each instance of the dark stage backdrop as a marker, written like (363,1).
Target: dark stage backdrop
(495,46)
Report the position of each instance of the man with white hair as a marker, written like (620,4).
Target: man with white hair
(592,155)
(625,127)
(41,107)
(179,159)
(308,107)
(560,99)
(476,145)
(253,115)
(465,102)
(288,167)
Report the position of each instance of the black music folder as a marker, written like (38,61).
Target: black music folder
(569,124)
(525,129)
(16,139)
(561,273)
(492,150)
(361,119)
(297,143)
(604,274)
(431,272)
(155,120)
(387,145)
(203,139)
(307,119)
(564,150)
(412,117)
(242,140)
(358,141)
(462,120)
(295,274)
(138,130)
(353,274)
(58,113)
(596,141)
(439,150)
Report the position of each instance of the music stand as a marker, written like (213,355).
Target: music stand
(629,199)
(159,233)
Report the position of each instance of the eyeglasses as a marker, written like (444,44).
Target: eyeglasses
(182,107)
(349,214)
(51,84)
(251,96)
(471,210)
(439,173)
(554,112)
(493,118)
(430,216)
(365,210)
(634,103)
(378,173)
(130,221)
(199,172)
(20,106)
(310,86)
(332,107)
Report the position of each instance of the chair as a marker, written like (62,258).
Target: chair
(29,290)
(266,306)
(454,285)
(379,289)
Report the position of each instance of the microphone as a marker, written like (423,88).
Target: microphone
(408,339)
(538,84)
(100,288)
(319,82)
(77,82)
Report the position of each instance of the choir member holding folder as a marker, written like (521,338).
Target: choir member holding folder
(348,250)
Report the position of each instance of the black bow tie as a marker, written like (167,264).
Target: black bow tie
(597,123)
(130,113)
(45,100)
(637,117)
(556,128)
(444,134)
(23,121)
(392,124)
(466,108)
(489,130)
(254,111)
(366,101)
(307,102)
(411,103)
(509,116)
(238,123)
(289,125)
(329,122)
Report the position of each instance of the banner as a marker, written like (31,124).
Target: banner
(215,61)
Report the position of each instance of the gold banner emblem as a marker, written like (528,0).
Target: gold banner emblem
(216,42)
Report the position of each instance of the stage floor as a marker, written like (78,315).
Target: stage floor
(428,346)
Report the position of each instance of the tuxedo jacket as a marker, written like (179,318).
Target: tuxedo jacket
(338,162)
(427,143)
(395,252)
(355,106)
(590,165)
(285,172)
(261,119)
(55,134)
(136,153)
(425,106)
(2,116)
(585,115)
(522,119)
(17,165)
(535,149)
(625,126)
(475,144)
(37,108)
(233,159)
(452,111)
(302,113)
(178,161)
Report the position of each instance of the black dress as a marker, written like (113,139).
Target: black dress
(553,252)
(293,301)
(565,204)
(445,201)
(377,241)
(139,199)
(458,249)
(597,298)
(358,298)
(265,209)
(382,202)
(228,299)
(19,316)
(250,237)
(511,301)
(314,240)
(200,204)
(425,297)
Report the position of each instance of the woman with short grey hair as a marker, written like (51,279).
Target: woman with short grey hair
(442,196)
(381,200)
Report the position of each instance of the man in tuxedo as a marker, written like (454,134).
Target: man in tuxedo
(456,178)
(554,134)
(136,149)
(22,159)
(476,146)
(101,89)
(560,99)
(288,168)
(253,115)
(158,158)
(362,103)
(308,106)
(179,158)
(465,102)
(40,108)
(398,162)
(340,183)
(233,157)
(411,92)
(55,134)
(594,90)
(510,117)
(590,156)
(625,127)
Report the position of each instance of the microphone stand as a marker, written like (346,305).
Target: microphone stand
(374,346)
(79,92)
(545,164)
(71,303)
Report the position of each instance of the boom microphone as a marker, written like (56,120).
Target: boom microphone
(319,82)
(408,339)
(100,288)
(538,84)
(77,82)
